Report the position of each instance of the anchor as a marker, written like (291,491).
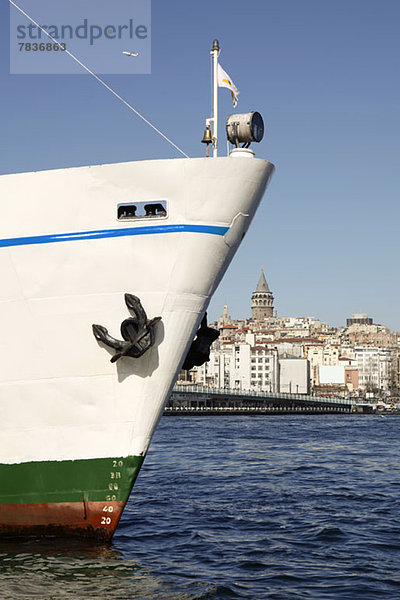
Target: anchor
(137,331)
(199,351)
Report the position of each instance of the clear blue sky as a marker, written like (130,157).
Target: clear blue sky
(325,76)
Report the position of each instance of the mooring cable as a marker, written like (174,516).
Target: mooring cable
(100,80)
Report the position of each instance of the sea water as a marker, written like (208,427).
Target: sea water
(257,507)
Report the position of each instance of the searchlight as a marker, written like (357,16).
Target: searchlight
(245,128)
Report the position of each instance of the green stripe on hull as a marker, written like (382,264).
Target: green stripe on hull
(95,479)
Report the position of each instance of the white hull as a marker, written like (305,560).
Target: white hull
(60,396)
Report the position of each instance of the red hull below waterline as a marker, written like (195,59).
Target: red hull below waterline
(95,520)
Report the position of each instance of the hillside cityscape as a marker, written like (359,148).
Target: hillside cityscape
(300,355)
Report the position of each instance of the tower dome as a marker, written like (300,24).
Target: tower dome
(262,300)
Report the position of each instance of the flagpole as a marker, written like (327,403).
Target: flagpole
(215,51)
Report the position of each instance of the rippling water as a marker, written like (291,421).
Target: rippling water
(280,507)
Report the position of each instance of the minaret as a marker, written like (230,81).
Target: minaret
(225,318)
(262,300)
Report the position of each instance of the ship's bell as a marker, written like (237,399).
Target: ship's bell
(207,137)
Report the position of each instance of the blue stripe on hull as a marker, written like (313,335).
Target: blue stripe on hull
(110,233)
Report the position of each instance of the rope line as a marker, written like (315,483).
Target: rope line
(101,81)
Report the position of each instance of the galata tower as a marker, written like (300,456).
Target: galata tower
(262,300)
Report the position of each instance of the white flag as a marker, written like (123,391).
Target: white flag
(225,81)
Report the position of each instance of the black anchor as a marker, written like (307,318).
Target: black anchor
(199,351)
(137,331)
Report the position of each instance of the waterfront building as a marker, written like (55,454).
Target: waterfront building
(240,366)
(342,377)
(331,374)
(216,372)
(294,375)
(264,369)
(351,378)
(374,368)
(314,352)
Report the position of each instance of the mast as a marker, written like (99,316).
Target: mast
(215,52)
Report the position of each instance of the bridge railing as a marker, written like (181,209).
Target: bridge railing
(209,391)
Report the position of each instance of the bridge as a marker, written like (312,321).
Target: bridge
(202,400)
